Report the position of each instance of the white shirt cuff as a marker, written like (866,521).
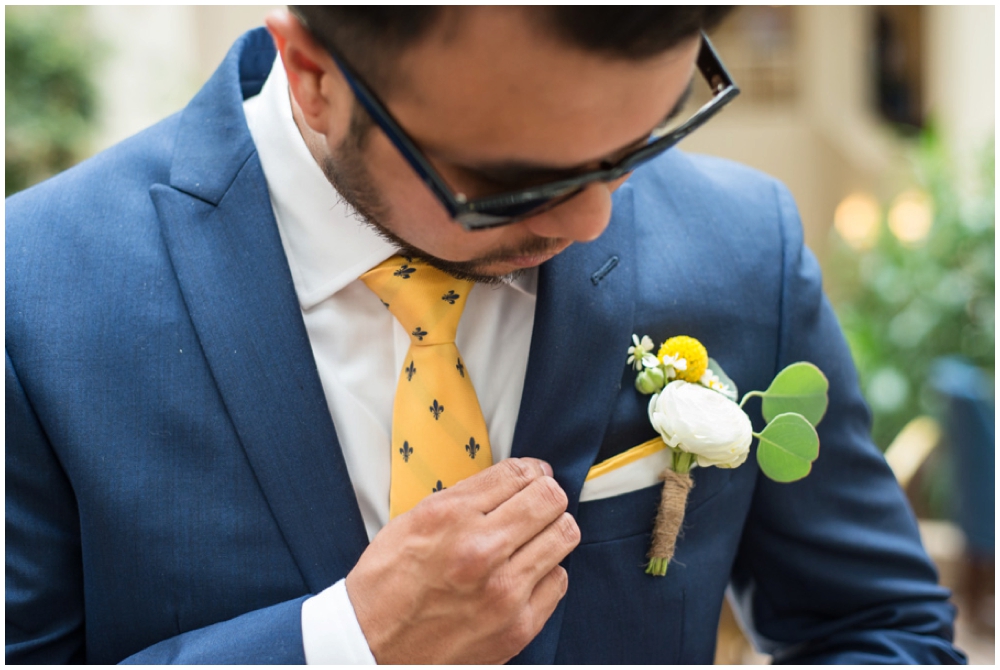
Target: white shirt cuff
(331,633)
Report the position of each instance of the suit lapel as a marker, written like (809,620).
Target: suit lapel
(583,326)
(223,241)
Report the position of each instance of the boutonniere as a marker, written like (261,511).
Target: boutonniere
(693,407)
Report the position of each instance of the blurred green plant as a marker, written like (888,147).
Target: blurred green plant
(917,283)
(51,98)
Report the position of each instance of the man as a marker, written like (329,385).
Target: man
(204,391)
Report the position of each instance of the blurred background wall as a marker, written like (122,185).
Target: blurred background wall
(880,119)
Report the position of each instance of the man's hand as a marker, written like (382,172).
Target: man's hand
(471,574)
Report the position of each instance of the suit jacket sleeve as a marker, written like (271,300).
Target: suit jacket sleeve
(45,594)
(831,568)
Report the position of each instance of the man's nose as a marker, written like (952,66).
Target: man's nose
(582,218)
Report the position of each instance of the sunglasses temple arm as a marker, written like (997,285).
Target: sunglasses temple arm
(712,68)
(405,148)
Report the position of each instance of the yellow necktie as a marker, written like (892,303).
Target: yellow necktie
(438,432)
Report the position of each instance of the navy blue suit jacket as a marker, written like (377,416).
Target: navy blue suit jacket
(175,487)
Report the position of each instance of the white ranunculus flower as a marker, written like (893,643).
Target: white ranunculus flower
(702,422)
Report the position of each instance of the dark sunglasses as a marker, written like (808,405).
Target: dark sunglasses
(502,209)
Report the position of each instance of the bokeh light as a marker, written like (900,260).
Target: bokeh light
(857,220)
(911,216)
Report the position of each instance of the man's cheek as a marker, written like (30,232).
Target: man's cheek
(417,217)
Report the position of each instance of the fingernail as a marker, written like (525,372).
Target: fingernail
(546,468)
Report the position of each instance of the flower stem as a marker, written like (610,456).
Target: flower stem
(750,394)
(682,462)
(657,567)
(669,517)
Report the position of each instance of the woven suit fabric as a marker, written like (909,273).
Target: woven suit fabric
(438,432)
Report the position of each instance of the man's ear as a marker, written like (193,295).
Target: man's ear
(316,83)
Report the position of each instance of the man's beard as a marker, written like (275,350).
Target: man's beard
(348,174)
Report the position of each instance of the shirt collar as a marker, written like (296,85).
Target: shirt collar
(327,245)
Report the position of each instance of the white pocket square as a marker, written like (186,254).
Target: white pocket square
(635,469)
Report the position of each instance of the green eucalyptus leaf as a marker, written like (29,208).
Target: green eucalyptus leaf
(714,366)
(800,388)
(788,446)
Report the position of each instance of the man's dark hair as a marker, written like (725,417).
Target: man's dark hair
(369,38)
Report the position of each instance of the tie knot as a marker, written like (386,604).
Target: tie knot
(426,301)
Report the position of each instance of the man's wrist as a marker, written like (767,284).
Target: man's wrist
(330,630)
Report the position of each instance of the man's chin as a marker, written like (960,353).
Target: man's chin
(508,266)
(497,269)
(515,264)
(494,273)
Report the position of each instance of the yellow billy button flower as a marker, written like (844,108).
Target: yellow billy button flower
(692,351)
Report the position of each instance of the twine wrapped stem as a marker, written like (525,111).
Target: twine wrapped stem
(677,485)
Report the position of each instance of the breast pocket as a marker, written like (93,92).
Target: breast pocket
(617,614)
(633,513)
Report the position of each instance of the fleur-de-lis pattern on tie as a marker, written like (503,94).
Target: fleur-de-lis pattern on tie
(432,449)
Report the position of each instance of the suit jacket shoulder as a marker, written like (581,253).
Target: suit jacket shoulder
(102,209)
(120,445)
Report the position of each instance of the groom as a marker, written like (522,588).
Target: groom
(205,455)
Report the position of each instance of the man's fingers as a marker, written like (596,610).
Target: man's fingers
(546,550)
(527,513)
(494,485)
(531,618)
(546,596)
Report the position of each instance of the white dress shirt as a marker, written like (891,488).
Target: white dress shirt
(359,346)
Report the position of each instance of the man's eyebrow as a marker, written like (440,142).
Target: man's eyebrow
(522,171)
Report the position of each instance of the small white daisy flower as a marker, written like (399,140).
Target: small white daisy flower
(708,378)
(640,355)
(712,381)
(672,364)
